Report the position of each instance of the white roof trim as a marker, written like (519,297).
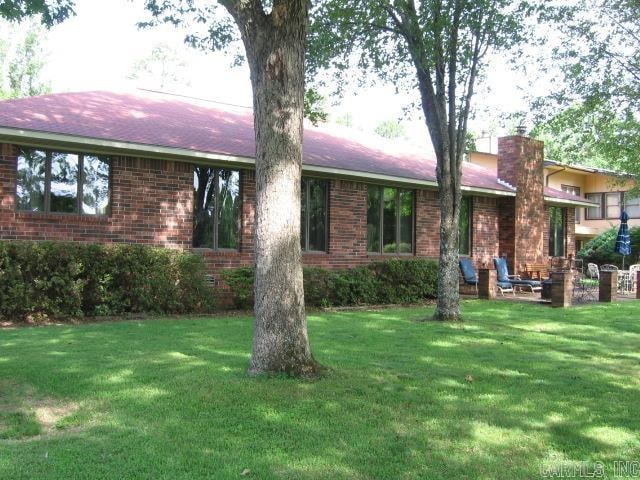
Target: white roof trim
(573,203)
(42,139)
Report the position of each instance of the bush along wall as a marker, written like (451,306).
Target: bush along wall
(385,282)
(62,279)
(599,250)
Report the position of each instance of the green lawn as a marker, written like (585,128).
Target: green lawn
(513,389)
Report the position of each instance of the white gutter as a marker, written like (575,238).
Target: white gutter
(563,201)
(34,138)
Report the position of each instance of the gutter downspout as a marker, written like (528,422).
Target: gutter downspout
(553,173)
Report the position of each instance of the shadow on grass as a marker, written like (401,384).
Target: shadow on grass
(497,396)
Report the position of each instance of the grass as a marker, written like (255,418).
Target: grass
(514,389)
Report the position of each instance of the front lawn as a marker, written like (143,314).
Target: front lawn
(514,389)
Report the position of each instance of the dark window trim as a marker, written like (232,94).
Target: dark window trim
(573,189)
(470,199)
(624,203)
(79,182)
(605,213)
(397,226)
(307,221)
(602,206)
(564,213)
(216,191)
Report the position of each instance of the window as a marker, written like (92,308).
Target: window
(389,220)
(216,213)
(574,191)
(613,204)
(557,229)
(632,206)
(62,182)
(595,212)
(313,215)
(465,226)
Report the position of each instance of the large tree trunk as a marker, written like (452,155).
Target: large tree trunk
(448,305)
(275,47)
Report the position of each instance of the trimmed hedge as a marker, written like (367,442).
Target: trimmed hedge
(599,250)
(64,279)
(385,282)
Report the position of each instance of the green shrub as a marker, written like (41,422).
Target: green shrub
(384,282)
(240,282)
(61,279)
(600,250)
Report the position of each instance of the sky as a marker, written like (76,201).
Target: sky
(98,48)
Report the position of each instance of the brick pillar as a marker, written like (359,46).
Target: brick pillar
(487,279)
(608,291)
(561,289)
(521,163)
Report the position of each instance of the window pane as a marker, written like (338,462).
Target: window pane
(613,205)
(203,190)
(373,219)
(556,231)
(464,226)
(406,221)
(389,220)
(575,191)
(632,207)
(95,185)
(594,212)
(317,214)
(303,215)
(30,180)
(64,182)
(228,208)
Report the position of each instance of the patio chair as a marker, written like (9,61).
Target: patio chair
(593,271)
(468,272)
(515,280)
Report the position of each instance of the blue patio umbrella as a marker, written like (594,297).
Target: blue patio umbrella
(623,240)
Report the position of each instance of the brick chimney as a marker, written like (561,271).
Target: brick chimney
(522,222)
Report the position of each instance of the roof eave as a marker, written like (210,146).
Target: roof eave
(566,202)
(36,138)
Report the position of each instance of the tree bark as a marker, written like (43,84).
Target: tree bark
(275,48)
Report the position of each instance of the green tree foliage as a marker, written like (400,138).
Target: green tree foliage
(314,106)
(22,59)
(50,11)
(162,68)
(594,135)
(390,129)
(599,58)
(600,250)
(437,49)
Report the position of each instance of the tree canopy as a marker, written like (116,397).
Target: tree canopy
(437,49)
(594,117)
(50,11)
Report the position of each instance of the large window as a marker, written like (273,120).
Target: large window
(62,182)
(313,215)
(613,204)
(557,231)
(389,220)
(216,215)
(632,206)
(595,212)
(574,191)
(465,226)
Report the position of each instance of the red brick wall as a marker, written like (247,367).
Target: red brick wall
(485,230)
(151,203)
(520,162)
(506,233)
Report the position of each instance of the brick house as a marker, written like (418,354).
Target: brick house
(175,172)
